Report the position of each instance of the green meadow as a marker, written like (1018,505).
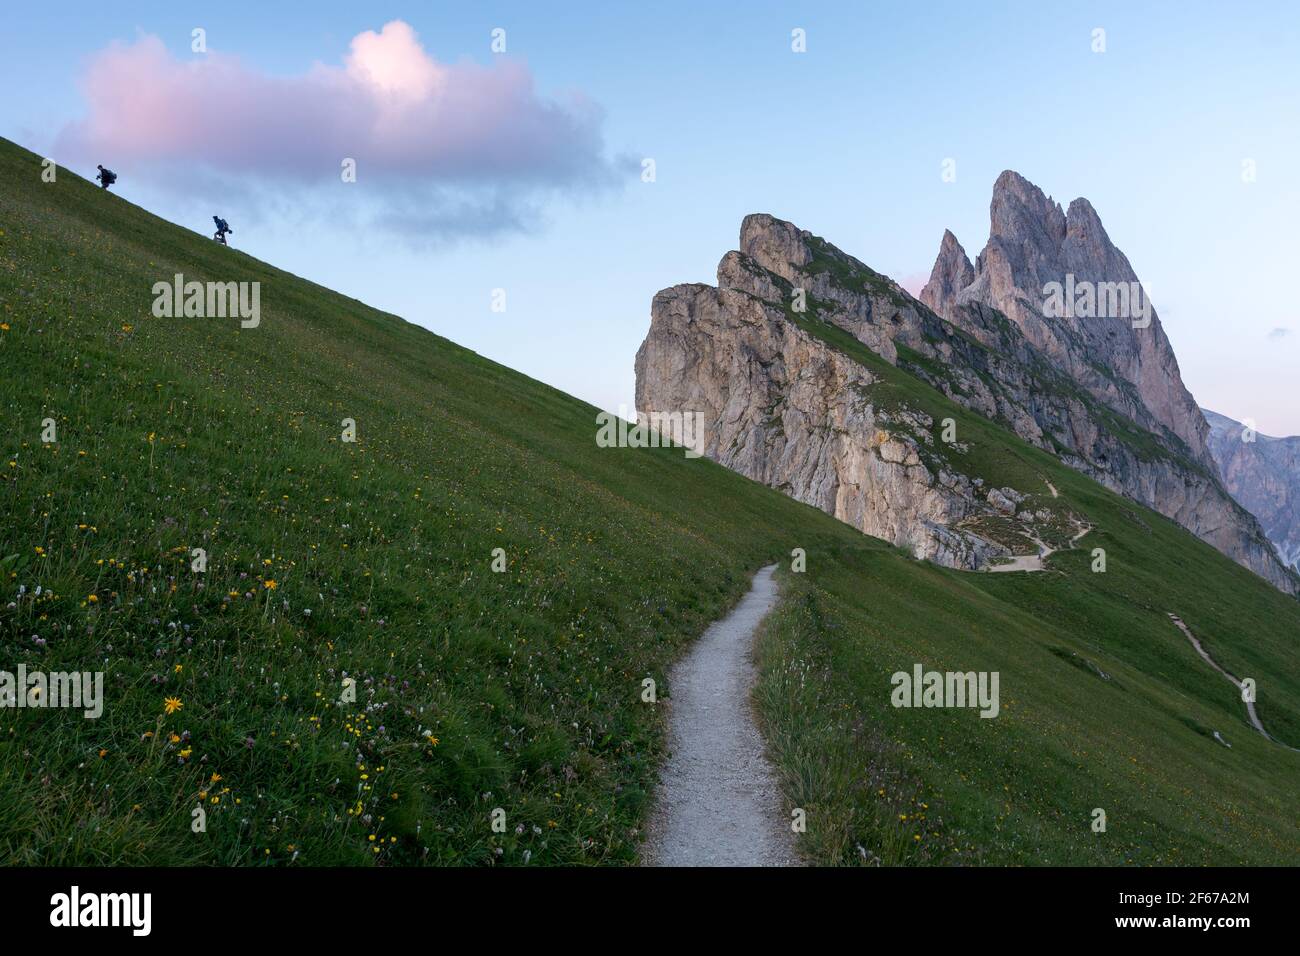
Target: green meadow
(349,681)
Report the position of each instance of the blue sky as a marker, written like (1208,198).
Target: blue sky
(846,140)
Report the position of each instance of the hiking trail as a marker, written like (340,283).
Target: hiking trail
(1035,562)
(718,802)
(1250,704)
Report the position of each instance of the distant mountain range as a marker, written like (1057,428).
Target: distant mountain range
(1263,474)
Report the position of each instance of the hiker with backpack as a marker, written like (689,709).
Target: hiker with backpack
(106,177)
(223,227)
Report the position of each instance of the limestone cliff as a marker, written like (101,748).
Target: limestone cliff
(784,408)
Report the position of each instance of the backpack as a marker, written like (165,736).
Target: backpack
(110,177)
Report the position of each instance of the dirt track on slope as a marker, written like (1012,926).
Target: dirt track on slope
(1250,704)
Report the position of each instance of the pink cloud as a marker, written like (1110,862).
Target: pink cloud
(389,105)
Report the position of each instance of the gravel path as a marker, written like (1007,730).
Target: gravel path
(1250,704)
(1035,562)
(718,803)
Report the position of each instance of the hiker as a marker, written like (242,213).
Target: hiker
(223,227)
(106,177)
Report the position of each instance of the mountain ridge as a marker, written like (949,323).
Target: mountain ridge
(1032,243)
(1043,382)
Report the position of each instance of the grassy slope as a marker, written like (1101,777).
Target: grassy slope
(198,434)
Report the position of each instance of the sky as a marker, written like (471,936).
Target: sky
(481,169)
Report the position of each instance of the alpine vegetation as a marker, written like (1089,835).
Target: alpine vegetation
(444,635)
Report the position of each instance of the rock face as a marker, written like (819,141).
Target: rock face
(794,410)
(1074,300)
(952,272)
(784,408)
(1109,338)
(1263,474)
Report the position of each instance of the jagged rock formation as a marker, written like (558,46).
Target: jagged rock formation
(795,418)
(1110,340)
(784,408)
(1263,474)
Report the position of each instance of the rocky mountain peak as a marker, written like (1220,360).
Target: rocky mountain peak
(1058,276)
(952,272)
(776,245)
(1021,212)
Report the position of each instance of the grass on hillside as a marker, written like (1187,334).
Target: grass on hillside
(521,690)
